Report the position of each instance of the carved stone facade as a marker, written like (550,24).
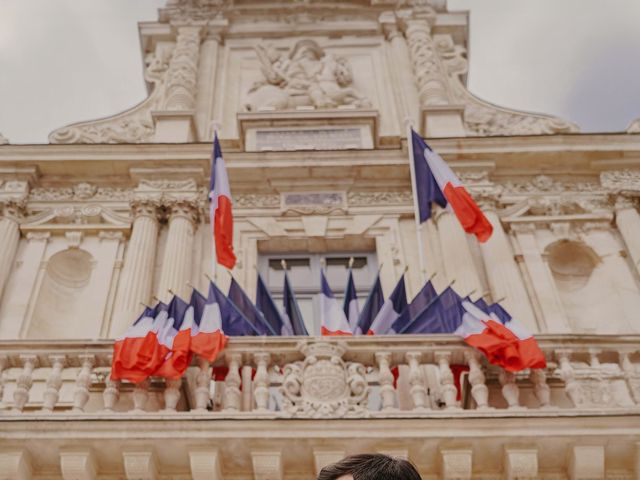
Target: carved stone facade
(311,100)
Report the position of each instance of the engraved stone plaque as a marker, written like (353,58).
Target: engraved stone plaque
(310,139)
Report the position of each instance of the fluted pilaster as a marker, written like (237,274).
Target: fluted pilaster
(628,223)
(504,277)
(178,253)
(135,284)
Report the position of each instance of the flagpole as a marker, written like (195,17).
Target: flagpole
(214,125)
(416,210)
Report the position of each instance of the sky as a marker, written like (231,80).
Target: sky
(64,61)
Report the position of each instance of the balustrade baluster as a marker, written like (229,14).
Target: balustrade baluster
(24,381)
(449,391)
(510,390)
(261,381)
(54,382)
(111,394)
(232,396)
(172,394)
(567,374)
(540,388)
(203,382)
(479,390)
(141,396)
(83,382)
(385,379)
(416,380)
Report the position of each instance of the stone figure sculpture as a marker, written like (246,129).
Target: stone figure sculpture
(307,76)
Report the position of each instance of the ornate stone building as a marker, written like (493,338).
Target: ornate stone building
(311,99)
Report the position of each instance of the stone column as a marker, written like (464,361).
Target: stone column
(504,276)
(178,252)
(408,95)
(9,239)
(628,223)
(458,260)
(135,283)
(554,318)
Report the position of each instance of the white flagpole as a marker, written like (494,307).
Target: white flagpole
(214,255)
(416,211)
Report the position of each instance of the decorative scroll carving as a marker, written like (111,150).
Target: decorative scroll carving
(193,10)
(134,125)
(568,206)
(379,198)
(544,184)
(81,215)
(324,385)
(634,126)
(306,76)
(621,181)
(251,200)
(183,70)
(81,191)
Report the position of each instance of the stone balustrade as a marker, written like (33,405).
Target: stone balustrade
(362,377)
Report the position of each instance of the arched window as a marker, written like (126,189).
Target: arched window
(62,299)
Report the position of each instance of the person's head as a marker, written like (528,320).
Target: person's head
(370,467)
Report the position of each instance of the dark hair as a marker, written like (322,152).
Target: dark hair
(370,467)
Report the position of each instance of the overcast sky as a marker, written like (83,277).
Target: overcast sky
(62,61)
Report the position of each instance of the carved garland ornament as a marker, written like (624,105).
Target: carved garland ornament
(324,385)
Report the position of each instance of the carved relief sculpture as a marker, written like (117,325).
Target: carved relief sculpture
(324,385)
(307,76)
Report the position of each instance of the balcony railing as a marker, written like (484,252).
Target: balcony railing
(365,377)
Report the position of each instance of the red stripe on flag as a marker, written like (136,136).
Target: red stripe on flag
(338,333)
(223,232)
(505,349)
(469,214)
(136,358)
(178,359)
(208,345)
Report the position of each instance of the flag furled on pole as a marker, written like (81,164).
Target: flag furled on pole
(333,321)
(221,216)
(391,310)
(292,312)
(350,304)
(242,301)
(372,306)
(267,306)
(436,182)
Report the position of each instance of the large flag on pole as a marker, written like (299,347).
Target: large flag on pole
(436,182)
(391,310)
(333,321)
(350,303)
(292,312)
(221,216)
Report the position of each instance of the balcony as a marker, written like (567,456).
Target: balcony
(302,396)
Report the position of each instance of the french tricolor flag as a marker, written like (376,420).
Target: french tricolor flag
(220,208)
(390,311)
(174,340)
(207,337)
(137,354)
(436,182)
(333,319)
(506,344)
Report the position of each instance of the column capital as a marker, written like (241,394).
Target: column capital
(625,202)
(145,206)
(182,208)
